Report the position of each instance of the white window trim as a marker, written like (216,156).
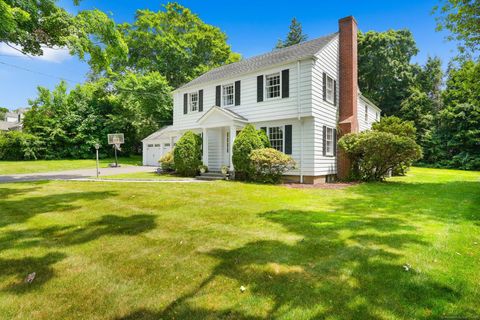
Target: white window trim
(283,135)
(332,99)
(265,96)
(329,154)
(190,101)
(222,96)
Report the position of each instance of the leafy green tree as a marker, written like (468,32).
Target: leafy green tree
(32,24)
(17,145)
(429,79)
(3,112)
(188,154)
(295,35)
(462,19)
(385,73)
(174,42)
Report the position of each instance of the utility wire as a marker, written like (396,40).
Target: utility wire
(146,93)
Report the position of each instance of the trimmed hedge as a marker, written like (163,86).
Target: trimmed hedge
(188,154)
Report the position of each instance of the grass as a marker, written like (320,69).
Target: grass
(145,176)
(35,166)
(181,251)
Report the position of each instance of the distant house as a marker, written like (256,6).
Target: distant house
(12,120)
(299,95)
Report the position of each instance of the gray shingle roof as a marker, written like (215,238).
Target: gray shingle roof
(296,52)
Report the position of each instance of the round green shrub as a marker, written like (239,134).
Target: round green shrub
(269,164)
(188,154)
(247,140)
(373,154)
(263,136)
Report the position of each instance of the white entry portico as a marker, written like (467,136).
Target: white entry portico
(219,127)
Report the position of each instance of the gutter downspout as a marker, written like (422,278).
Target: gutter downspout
(301,121)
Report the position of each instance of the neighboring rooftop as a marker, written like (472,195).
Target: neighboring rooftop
(5,126)
(293,53)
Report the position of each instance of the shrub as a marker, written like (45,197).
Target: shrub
(247,140)
(167,162)
(188,154)
(398,127)
(269,164)
(373,154)
(17,145)
(264,138)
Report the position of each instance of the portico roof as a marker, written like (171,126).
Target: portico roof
(220,116)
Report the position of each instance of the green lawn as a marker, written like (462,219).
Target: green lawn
(182,251)
(145,176)
(18,167)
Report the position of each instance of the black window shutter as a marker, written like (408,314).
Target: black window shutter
(185,103)
(217,95)
(335,92)
(324,141)
(237,93)
(264,129)
(285,83)
(260,88)
(324,86)
(335,142)
(200,100)
(288,139)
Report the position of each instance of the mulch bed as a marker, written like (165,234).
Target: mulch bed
(335,185)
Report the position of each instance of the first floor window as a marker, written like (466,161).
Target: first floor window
(228,95)
(272,85)
(329,141)
(150,145)
(275,134)
(194,101)
(330,90)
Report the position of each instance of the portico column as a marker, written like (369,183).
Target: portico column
(205,146)
(233,133)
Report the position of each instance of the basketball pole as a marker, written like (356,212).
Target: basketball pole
(116,160)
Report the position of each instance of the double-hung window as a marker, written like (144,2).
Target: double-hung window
(329,141)
(272,85)
(193,101)
(276,136)
(330,90)
(228,95)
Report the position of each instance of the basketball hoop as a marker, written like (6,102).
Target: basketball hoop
(116,139)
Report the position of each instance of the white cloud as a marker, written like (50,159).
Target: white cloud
(55,55)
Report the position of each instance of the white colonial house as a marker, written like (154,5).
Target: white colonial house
(300,95)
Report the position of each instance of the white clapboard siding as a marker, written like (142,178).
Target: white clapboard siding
(365,123)
(324,112)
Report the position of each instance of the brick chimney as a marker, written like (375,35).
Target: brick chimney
(348,86)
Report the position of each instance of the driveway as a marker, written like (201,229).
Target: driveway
(73,174)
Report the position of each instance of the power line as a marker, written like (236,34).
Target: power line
(146,93)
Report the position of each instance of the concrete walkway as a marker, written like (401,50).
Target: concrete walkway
(74,174)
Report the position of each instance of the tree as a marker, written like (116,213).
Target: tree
(3,112)
(32,24)
(384,70)
(462,19)
(295,35)
(174,42)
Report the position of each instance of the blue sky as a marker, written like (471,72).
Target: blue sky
(252,27)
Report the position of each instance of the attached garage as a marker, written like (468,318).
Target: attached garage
(156,145)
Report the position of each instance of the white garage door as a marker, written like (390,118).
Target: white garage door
(153,154)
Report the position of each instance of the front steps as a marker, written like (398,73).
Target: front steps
(210,176)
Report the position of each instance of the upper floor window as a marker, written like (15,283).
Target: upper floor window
(228,95)
(272,85)
(193,101)
(275,135)
(366,113)
(330,90)
(329,141)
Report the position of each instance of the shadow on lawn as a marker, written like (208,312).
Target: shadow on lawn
(348,264)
